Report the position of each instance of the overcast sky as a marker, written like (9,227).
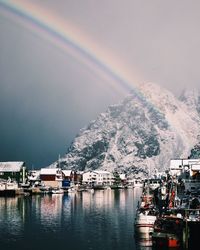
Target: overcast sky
(47,94)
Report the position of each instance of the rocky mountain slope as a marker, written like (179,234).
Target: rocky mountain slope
(140,134)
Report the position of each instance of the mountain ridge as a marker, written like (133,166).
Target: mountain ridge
(140,134)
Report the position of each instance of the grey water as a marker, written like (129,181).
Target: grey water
(75,221)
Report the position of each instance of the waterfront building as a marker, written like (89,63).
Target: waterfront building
(97,177)
(181,166)
(15,171)
(68,175)
(51,177)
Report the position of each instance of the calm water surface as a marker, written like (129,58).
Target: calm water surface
(80,221)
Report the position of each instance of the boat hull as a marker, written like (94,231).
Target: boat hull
(144,228)
(166,240)
(144,223)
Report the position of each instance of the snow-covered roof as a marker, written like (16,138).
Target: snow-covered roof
(101,172)
(49,171)
(67,172)
(122,176)
(11,166)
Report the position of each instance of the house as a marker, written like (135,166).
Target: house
(13,170)
(176,167)
(67,178)
(52,177)
(97,177)
(68,175)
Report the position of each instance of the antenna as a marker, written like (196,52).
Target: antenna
(59,161)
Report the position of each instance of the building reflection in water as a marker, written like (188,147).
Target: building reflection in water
(12,211)
(49,211)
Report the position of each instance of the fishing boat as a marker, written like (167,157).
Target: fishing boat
(57,191)
(165,240)
(168,231)
(144,221)
(146,213)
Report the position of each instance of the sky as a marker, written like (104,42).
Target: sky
(63,62)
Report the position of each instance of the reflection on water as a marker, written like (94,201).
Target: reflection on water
(83,220)
(144,242)
(11,216)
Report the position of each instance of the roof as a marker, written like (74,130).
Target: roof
(101,172)
(49,171)
(67,172)
(122,176)
(11,166)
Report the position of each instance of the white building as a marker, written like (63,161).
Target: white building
(179,166)
(189,171)
(176,167)
(97,177)
(122,177)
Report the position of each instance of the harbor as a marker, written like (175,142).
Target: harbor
(168,214)
(164,207)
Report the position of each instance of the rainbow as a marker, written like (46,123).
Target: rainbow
(64,36)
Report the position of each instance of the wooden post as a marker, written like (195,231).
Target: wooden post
(186,230)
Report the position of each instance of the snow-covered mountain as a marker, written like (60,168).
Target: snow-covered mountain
(191,98)
(140,134)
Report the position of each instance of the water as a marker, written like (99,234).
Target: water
(79,221)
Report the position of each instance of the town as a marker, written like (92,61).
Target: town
(15,179)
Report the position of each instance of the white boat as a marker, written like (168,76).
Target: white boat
(8,185)
(144,221)
(146,214)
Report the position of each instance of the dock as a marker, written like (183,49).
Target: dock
(176,215)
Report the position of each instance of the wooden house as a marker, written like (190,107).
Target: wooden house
(51,177)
